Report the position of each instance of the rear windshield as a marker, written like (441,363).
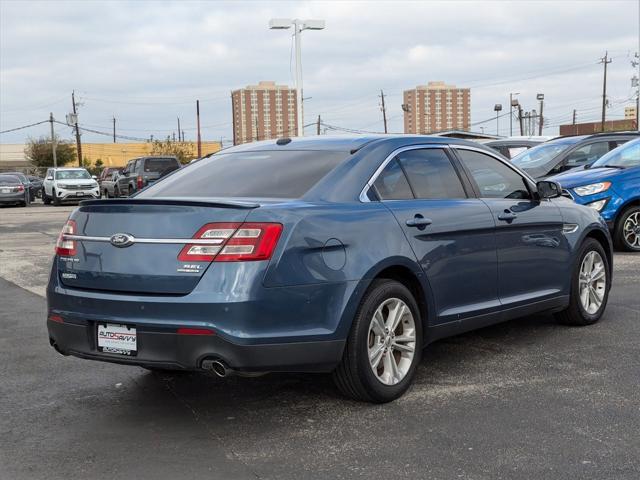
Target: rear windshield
(159,164)
(72,174)
(268,174)
(9,179)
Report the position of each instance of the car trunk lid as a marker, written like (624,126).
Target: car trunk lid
(132,245)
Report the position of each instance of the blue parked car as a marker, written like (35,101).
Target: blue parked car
(612,187)
(344,255)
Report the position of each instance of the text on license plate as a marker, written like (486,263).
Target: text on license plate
(114,338)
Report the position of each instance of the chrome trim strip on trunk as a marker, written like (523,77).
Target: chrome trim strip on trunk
(178,241)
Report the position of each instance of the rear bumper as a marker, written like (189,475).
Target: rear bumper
(12,198)
(164,348)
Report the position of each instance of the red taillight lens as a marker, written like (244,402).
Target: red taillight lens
(66,248)
(233,242)
(140,183)
(20,188)
(56,318)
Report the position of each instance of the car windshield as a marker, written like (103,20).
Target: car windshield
(72,174)
(539,160)
(159,164)
(266,174)
(9,180)
(625,156)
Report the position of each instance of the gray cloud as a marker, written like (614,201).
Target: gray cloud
(146,62)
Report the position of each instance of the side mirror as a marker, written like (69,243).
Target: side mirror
(94,177)
(548,189)
(49,178)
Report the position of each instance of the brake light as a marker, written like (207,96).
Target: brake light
(140,185)
(56,318)
(20,188)
(233,242)
(66,248)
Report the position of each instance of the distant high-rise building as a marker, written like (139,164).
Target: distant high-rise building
(436,107)
(630,112)
(263,111)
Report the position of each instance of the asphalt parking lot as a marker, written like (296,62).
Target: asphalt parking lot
(527,399)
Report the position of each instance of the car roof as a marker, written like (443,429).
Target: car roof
(341,143)
(596,135)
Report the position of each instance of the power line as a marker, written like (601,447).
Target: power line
(23,127)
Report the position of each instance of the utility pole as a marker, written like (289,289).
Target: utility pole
(179,139)
(512,103)
(174,137)
(540,97)
(257,134)
(384,112)
(198,119)
(183,135)
(78,142)
(497,108)
(318,126)
(114,129)
(606,61)
(53,141)
(520,119)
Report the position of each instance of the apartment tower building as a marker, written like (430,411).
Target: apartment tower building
(436,107)
(263,111)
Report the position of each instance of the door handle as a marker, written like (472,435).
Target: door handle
(507,216)
(419,221)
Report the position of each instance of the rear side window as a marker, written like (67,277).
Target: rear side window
(587,154)
(160,164)
(267,174)
(392,184)
(431,174)
(493,178)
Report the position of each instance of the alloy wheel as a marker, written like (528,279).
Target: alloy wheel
(391,341)
(631,230)
(592,282)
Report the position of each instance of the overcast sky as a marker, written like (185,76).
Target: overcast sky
(146,62)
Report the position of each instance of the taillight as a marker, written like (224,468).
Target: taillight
(66,248)
(20,188)
(233,242)
(140,183)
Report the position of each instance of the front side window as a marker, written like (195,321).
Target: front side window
(431,174)
(587,154)
(493,178)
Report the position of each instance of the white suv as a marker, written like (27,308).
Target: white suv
(67,184)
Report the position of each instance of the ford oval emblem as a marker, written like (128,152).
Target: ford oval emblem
(122,240)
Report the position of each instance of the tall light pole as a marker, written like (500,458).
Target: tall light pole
(298,27)
(540,97)
(497,108)
(511,105)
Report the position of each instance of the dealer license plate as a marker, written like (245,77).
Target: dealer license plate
(120,339)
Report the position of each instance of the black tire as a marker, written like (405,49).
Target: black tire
(56,199)
(46,199)
(619,239)
(354,376)
(575,314)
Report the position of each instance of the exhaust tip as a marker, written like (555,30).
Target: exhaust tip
(219,368)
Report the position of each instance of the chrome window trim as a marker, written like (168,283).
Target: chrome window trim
(363,193)
(179,241)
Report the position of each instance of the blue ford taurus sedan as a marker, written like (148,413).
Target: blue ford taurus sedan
(612,187)
(344,255)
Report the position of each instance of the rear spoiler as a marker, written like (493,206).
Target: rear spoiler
(187,201)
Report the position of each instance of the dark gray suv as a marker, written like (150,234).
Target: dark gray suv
(143,171)
(566,153)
